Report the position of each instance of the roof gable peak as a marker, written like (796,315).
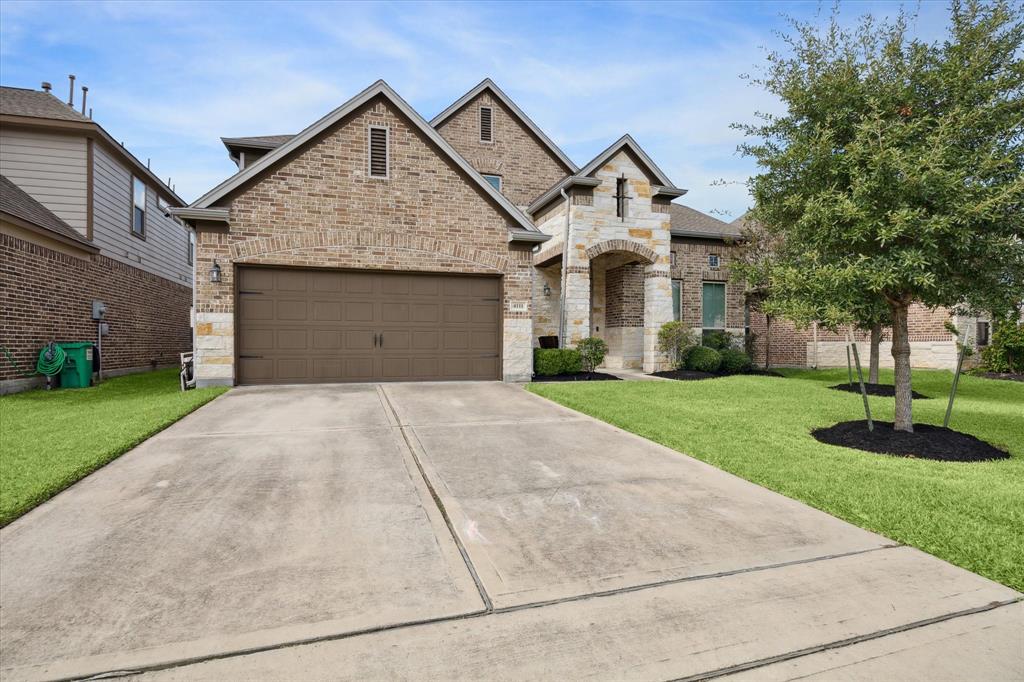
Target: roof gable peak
(627,142)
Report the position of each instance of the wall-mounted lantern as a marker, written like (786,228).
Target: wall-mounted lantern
(547,289)
(215,272)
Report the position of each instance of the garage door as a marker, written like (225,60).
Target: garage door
(312,326)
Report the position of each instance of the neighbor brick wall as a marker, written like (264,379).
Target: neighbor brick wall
(527,168)
(320,209)
(47,295)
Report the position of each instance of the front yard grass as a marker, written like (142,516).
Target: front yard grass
(970,514)
(50,439)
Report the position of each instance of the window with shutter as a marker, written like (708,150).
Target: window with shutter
(486,124)
(378,152)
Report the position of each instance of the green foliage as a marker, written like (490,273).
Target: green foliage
(592,351)
(551,361)
(734,361)
(675,340)
(703,359)
(1005,352)
(718,340)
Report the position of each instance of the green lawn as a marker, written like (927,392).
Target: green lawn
(971,514)
(50,439)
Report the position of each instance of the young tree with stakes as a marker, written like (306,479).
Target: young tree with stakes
(896,175)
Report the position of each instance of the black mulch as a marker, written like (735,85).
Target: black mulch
(926,442)
(578,376)
(885,390)
(1006,376)
(694,375)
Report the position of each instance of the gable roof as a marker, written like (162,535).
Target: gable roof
(256,142)
(689,222)
(488,84)
(17,203)
(627,142)
(37,104)
(383,89)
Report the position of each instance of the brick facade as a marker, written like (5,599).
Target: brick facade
(690,267)
(47,295)
(319,208)
(624,296)
(527,168)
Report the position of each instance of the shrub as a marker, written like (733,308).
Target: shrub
(1005,351)
(592,351)
(734,361)
(551,361)
(704,359)
(717,340)
(675,340)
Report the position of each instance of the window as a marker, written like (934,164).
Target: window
(713,261)
(138,207)
(677,299)
(191,247)
(486,124)
(379,162)
(981,333)
(713,305)
(672,259)
(495,181)
(620,197)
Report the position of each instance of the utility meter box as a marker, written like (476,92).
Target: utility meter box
(99,310)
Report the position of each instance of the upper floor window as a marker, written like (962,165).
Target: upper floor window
(495,181)
(378,152)
(486,124)
(191,247)
(621,200)
(713,261)
(138,207)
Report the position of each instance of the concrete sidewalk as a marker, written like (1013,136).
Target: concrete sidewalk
(465,531)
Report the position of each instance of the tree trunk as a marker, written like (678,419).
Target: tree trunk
(901,365)
(767,340)
(876,338)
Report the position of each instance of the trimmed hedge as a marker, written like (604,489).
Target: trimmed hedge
(551,361)
(734,361)
(703,359)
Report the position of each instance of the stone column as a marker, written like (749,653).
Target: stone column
(577,304)
(657,311)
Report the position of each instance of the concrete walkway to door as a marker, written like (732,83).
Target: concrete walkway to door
(464,531)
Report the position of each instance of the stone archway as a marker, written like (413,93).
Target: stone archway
(644,253)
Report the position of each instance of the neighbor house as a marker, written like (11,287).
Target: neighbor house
(375,245)
(83,220)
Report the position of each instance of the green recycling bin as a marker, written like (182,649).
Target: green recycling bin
(77,371)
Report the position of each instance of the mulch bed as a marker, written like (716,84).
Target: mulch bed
(694,375)
(926,442)
(578,376)
(1005,376)
(884,390)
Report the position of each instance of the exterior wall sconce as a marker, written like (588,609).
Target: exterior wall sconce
(215,272)
(547,290)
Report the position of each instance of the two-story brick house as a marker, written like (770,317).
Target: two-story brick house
(83,220)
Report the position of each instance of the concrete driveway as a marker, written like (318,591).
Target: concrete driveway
(439,531)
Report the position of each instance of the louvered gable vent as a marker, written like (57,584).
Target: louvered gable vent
(486,128)
(378,152)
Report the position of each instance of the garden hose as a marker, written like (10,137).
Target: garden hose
(51,360)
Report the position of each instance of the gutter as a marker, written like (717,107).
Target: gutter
(218,215)
(705,235)
(527,237)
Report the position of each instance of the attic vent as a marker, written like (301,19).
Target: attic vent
(378,152)
(486,129)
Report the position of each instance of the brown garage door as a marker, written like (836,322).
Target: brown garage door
(310,326)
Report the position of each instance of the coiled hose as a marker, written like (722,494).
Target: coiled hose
(51,359)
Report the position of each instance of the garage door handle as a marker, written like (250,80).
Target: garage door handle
(253,357)
(382,339)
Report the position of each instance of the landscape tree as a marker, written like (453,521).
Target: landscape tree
(896,174)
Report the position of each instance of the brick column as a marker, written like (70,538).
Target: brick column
(657,311)
(577,304)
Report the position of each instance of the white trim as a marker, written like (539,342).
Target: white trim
(480,121)
(369,152)
(379,88)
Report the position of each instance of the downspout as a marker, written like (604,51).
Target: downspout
(565,267)
(814,364)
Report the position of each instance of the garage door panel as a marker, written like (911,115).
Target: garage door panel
(300,325)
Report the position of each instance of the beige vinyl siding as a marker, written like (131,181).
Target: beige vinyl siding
(51,168)
(164,251)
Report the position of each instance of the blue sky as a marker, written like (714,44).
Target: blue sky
(169,79)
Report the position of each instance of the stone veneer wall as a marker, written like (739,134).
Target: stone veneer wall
(527,168)
(47,296)
(320,209)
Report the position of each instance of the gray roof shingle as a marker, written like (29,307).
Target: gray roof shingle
(694,223)
(262,141)
(37,104)
(16,202)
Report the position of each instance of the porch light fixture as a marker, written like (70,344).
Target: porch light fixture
(215,272)
(547,289)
